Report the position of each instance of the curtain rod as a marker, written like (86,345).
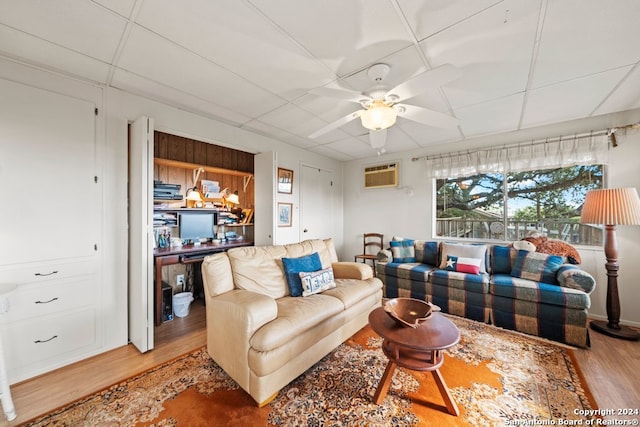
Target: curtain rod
(518,144)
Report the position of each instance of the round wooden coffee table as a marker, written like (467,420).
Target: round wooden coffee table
(417,349)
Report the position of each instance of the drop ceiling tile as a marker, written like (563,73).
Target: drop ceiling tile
(583,37)
(398,140)
(333,154)
(345,35)
(569,100)
(427,17)
(240,40)
(500,115)
(354,147)
(17,44)
(149,55)
(493,55)
(133,83)
(625,96)
(425,135)
(121,7)
(293,119)
(78,25)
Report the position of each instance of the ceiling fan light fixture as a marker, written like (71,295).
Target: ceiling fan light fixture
(379,116)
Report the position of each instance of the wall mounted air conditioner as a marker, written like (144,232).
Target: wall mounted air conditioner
(380,176)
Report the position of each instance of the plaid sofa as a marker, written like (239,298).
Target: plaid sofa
(529,292)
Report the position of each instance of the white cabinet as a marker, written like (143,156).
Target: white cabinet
(50,228)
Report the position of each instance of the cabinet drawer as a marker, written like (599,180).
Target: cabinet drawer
(35,346)
(43,272)
(55,296)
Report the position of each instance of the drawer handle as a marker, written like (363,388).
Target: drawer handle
(47,302)
(47,274)
(42,342)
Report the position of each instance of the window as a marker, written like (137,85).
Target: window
(507,206)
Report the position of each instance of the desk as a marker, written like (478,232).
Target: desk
(186,254)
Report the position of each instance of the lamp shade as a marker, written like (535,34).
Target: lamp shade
(612,206)
(233,198)
(379,116)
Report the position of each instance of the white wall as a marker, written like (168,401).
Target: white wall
(407,211)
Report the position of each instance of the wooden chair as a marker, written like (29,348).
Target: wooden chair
(371,244)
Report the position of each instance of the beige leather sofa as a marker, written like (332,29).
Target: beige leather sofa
(263,337)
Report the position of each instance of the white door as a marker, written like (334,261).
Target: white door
(265,178)
(316,203)
(141,234)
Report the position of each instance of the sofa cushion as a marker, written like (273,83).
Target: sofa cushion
(537,267)
(259,269)
(317,281)
(408,270)
(294,266)
(307,247)
(469,282)
(464,250)
(502,258)
(545,293)
(403,250)
(295,316)
(352,291)
(426,252)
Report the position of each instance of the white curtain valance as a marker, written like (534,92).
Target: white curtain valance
(583,150)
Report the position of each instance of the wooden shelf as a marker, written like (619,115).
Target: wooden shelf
(185,165)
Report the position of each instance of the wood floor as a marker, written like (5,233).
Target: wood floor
(611,368)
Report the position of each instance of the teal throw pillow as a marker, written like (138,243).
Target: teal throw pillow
(537,267)
(403,251)
(316,281)
(294,266)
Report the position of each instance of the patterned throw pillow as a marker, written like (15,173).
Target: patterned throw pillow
(463,265)
(403,251)
(317,281)
(293,266)
(465,251)
(537,267)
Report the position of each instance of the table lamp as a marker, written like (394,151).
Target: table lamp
(611,207)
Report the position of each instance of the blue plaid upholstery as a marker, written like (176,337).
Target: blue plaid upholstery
(556,311)
(538,292)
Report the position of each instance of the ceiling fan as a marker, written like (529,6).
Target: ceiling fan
(381,106)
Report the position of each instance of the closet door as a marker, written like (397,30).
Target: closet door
(316,201)
(48,182)
(141,234)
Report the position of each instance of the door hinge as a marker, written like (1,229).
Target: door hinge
(95,111)
(95,247)
(95,179)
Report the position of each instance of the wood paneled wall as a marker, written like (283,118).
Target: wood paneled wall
(182,149)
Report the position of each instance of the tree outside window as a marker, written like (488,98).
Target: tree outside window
(509,206)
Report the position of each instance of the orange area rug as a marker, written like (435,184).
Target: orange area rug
(497,378)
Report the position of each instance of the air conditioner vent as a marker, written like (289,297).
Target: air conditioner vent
(380,176)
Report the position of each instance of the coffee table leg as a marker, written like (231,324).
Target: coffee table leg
(383,387)
(446,394)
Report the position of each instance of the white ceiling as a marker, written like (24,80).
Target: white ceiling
(252,63)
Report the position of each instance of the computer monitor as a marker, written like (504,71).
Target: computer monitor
(195,226)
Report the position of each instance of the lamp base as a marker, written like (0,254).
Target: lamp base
(622,333)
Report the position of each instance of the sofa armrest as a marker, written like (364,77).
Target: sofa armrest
(243,311)
(384,255)
(232,319)
(351,270)
(571,276)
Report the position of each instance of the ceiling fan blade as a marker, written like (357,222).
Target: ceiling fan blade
(377,138)
(423,81)
(334,125)
(347,95)
(427,117)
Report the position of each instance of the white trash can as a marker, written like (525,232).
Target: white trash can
(181,303)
